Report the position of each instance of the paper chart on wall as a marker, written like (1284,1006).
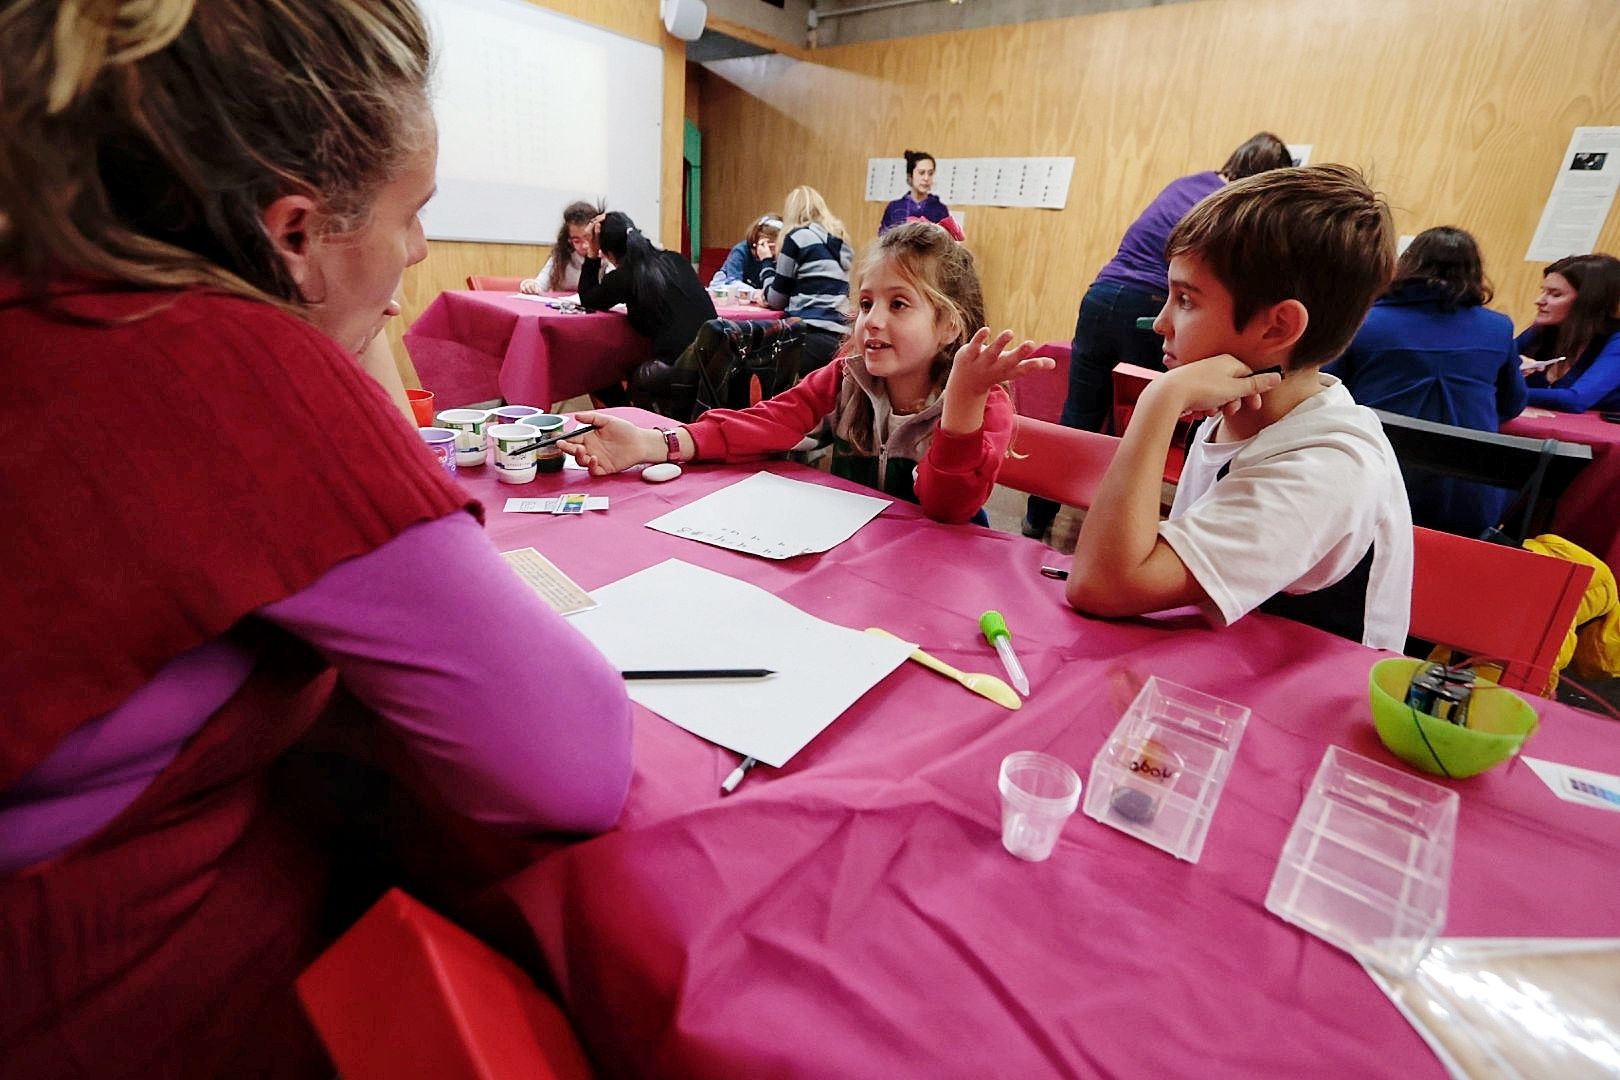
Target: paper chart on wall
(772,517)
(1041,182)
(1581,197)
(821,668)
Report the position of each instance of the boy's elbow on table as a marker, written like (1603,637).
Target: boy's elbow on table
(1162,582)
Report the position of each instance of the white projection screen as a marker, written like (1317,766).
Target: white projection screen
(536,110)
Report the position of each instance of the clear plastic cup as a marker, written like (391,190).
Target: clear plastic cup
(1038,794)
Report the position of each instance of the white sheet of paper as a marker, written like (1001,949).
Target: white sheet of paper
(1574,784)
(676,615)
(773,517)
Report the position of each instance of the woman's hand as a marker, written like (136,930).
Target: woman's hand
(615,445)
(1552,370)
(529,285)
(765,249)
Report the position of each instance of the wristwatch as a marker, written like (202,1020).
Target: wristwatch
(672,442)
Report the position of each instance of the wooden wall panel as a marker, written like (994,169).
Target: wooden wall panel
(1458,109)
(449,262)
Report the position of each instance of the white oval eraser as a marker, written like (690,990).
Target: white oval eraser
(657,474)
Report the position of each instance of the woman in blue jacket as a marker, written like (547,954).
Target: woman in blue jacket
(1577,327)
(1431,349)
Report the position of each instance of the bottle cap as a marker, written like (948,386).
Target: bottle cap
(993,626)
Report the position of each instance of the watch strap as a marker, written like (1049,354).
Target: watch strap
(672,442)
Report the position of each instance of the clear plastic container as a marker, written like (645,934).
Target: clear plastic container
(1160,774)
(1367,865)
(1038,794)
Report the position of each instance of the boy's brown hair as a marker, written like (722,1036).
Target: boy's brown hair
(1318,235)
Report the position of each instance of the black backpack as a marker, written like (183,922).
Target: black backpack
(716,369)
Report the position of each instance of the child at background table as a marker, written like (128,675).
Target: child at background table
(810,279)
(1577,328)
(659,290)
(561,272)
(1291,500)
(747,260)
(916,407)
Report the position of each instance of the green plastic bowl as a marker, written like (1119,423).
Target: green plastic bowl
(1498,723)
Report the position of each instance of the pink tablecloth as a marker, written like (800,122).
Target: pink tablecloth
(853,914)
(478,346)
(1589,510)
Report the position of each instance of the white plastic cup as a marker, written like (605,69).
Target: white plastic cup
(514,414)
(469,425)
(512,467)
(1038,794)
(744,293)
(442,442)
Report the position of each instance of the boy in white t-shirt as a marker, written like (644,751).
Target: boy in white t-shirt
(1291,500)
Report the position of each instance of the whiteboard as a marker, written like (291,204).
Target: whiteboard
(536,110)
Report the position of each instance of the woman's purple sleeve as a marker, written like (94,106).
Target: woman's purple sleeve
(514,717)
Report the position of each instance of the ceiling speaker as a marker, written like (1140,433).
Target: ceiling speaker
(684,18)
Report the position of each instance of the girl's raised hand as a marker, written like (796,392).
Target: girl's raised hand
(982,363)
(614,446)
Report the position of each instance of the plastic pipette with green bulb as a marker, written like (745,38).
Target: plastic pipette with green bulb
(995,632)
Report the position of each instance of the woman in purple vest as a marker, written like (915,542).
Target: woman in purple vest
(920,201)
(1133,286)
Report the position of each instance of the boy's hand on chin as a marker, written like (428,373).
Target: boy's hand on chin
(1221,384)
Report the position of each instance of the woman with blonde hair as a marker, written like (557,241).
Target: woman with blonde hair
(207,208)
(811,277)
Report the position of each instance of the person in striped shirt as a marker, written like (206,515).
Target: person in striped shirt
(811,277)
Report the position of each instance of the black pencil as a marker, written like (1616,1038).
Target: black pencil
(700,673)
(552,440)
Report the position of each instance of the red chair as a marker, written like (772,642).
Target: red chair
(1129,382)
(1496,602)
(710,260)
(1041,393)
(408,993)
(1060,463)
(486,283)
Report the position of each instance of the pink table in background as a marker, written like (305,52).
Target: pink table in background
(477,346)
(1589,510)
(854,915)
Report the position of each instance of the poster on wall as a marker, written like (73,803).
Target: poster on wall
(1032,182)
(1582,196)
(1300,153)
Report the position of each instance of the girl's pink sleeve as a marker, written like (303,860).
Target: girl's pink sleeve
(512,715)
(955,477)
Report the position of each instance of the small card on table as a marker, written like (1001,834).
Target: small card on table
(553,586)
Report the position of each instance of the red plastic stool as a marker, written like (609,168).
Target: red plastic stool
(406,992)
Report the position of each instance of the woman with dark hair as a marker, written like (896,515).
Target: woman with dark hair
(192,238)
(747,259)
(1431,349)
(561,272)
(659,289)
(1133,285)
(919,203)
(1577,327)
